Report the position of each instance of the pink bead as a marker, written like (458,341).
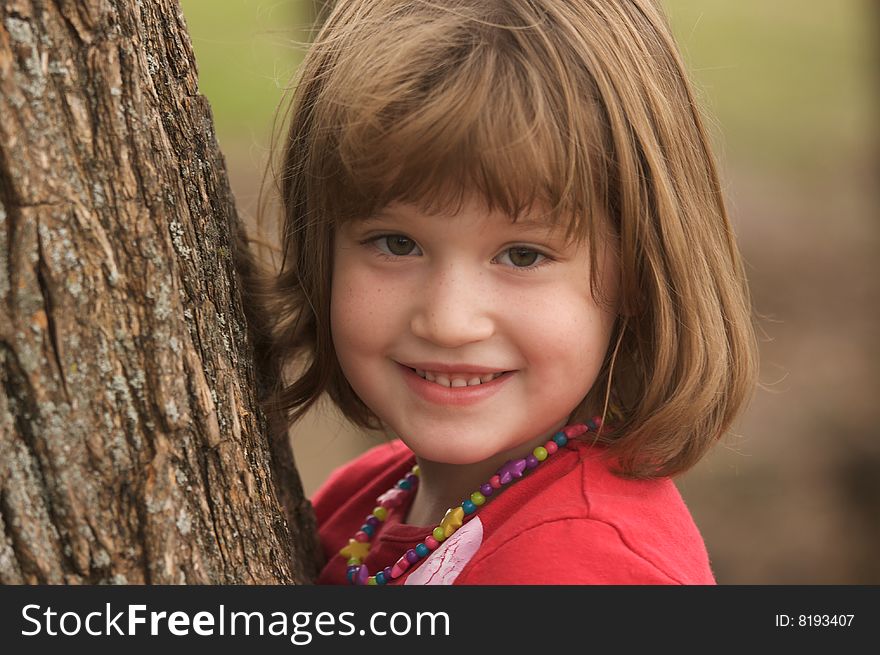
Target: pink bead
(551,447)
(398,569)
(495,481)
(432,543)
(574,430)
(391,498)
(361,536)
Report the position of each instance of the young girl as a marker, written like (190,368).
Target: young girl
(505,243)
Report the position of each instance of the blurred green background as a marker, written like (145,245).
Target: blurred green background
(792,496)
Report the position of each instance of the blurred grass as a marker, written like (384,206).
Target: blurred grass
(246,54)
(791,83)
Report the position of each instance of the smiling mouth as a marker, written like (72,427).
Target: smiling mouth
(456,380)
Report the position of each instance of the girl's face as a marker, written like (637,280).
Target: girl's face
(461,299)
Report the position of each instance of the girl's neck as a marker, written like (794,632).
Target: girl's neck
(442,485)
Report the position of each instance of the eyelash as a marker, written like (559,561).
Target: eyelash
(373,242)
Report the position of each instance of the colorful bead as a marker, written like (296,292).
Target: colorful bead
(362,575)
(403,483)
(350,572)
(411,478)
(361,536)
(354,561)
(416,470)
(560,439)
(356,548)
(368,529)
(551,447)
(380,513)
(531,461)
(486,489)
(422,550)
(372,580)
(431,542)
(495,481)
(574,430)
(387,572)
(439,534)
(468,506)
(540,453)
(372,521)
(593,423)
(412,556)
(380,578)
(512,469)
(477,498)
(399,567)
(391,498)
(452,521)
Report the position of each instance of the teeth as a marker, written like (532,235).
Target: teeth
(446,381)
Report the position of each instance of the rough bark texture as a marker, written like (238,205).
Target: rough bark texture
(131,448)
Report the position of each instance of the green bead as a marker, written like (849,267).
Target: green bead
(371,580)
(439,533)
(540,453)
(477,498)
(354,561)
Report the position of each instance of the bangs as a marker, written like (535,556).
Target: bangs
(457,108)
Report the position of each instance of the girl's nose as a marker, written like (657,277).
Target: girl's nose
(453,311)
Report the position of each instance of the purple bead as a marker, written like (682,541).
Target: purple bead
(387,572)
(412,478)
(486,489)
(363,574)
(512,469)
(412,556)
(372,520)
(531,461)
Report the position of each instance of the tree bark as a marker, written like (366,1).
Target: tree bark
(132,448)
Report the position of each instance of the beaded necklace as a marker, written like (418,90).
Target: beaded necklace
(358,546)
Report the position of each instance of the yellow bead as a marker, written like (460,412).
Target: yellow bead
(540,453)
(439,534)
(452,520)
(371,580)
(477,498)
(356,548)
(354,561)
(380,513)
(416,470)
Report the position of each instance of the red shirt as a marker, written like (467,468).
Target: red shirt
(569,521)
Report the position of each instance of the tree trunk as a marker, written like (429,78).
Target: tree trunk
(132,449)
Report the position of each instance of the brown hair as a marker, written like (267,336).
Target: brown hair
(582,107)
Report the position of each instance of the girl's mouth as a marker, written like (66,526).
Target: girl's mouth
(452,388)
(457,380)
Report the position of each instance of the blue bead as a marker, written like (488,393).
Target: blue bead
(350,573)
(422,550)
(404,484)
(560,439)
(380,578)
(591,424)
(369,529)
(468,506)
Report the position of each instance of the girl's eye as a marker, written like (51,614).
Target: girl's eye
(521,257)
(395,244)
